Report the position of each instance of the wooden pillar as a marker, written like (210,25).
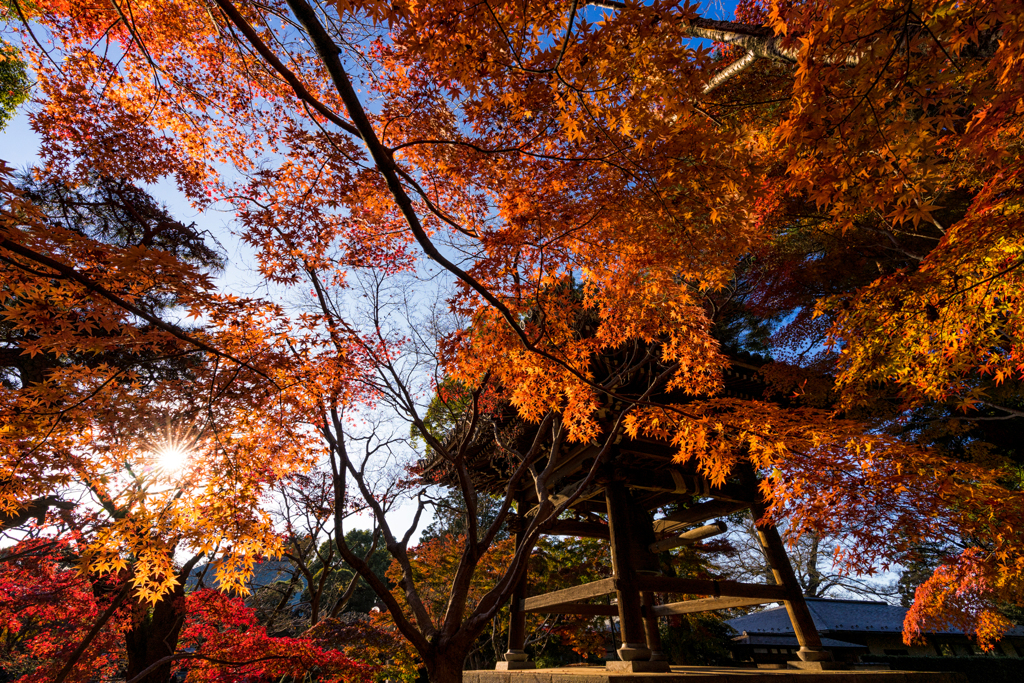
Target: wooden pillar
(800,617)
(627,590)
(516,657)
(651,625)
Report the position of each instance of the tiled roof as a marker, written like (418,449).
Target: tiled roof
(772,640)
(832,616)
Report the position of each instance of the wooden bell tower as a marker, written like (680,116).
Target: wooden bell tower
(639,479)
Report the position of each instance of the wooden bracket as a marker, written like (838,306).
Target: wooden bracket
(697,514)
(690,537)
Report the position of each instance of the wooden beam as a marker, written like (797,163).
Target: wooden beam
(732,589)
(654,500)
(701,512)
(571,527)
(704,605)
(572,464)
(799,615)
(593,589)
(578,608)
(675,481)
(653,633)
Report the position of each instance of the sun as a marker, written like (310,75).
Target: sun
(171,458)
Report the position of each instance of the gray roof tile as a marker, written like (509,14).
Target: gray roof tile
(789,641)
(831,616)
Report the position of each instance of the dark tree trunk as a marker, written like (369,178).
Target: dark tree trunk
(155,630)
(446,665)
(154,635)
(814,578)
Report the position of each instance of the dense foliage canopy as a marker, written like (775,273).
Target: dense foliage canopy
(836,181)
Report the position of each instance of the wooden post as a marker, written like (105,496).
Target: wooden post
(803,624)
(516,657)
(631,623)
(651,625)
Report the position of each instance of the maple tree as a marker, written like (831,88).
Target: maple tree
(520,150)
(94,388)
(153,630)
(224,642)
(47,608)
(374,642)
(91,367)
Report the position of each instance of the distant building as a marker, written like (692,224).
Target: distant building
(851,628)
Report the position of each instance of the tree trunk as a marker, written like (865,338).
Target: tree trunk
(446,665)
(154,635)
(814,577)
(155,630)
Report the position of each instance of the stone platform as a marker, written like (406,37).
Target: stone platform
(707,674)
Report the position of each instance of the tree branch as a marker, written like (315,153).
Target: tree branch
(737,67)
(72,274)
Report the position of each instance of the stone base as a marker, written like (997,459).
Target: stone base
(706,674)
(817,666)
(807,654)
(633,652)
(639,666)
(514,666)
